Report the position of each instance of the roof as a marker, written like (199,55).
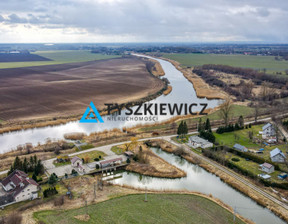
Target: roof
(238,146)
(26,182)
(267,165)
(11,177)
(266,126)
(111,160)
(197,139)
(129,153)
(75,158)
(275,152)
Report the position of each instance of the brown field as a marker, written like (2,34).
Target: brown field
(67,89)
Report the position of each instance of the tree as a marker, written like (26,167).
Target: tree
(17,164)
(200,125)
(241,122)
(207,125)
(34,177)
(185,128)
(25,165)
(180,129)
(52,179)
(225,110)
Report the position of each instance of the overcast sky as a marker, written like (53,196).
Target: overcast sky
(52,21)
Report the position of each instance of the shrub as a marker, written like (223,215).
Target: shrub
(128,160)
(97,166)
(235,159)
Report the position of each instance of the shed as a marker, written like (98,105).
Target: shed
(267,167)
(240,148)
(277,156)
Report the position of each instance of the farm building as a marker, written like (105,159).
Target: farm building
(76,161)
(268,130)
(277,156)
(267,167)
(240,148)
(110,162)
(197,142)
(129,154)
(20,186)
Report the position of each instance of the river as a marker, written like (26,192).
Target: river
(182,92)
(202,181)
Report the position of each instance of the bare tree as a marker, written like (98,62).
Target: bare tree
(225,110)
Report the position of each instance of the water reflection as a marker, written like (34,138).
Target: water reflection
(200,180)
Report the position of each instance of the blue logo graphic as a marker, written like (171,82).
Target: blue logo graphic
(91,114)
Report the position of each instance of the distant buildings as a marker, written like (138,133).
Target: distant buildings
(76,162)
(19,187)
(197,142)
(277,156)
(240,148)
(267,167)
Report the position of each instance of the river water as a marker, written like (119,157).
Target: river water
(202,181)
(183,92)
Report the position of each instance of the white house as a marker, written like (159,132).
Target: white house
(268,130)
(240,148)
(277,156)
(267,167)
(20,186)
(197,142)
(76,161)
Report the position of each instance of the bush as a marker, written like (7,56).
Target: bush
(128,160)
(14,218)
(59,201)
(50,192)
(97,166)
(235,159)
(96,159)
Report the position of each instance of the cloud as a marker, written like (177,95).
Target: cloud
(150,20)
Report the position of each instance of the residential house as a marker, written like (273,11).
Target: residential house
(277,156)
(78,163)
(268,130)
(240,148)
(267,167)
(196,142)
(111,162)
(20,186)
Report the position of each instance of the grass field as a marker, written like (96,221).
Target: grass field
(246,61)
(164,208)
(59,57)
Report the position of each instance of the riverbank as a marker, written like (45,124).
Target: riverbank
(147,163)
(236,184)
(203,90)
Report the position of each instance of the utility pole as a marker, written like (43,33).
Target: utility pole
(94,190)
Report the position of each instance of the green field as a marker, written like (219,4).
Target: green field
(161,208)
(59,57)
(246,61)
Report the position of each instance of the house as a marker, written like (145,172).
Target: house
(20,186)
(240,148)
(76,161)
(197,142)
(277,156)
(268,130)
(267,167)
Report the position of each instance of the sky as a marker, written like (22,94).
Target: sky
(93,21)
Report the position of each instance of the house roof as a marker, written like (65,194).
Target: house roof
(197,139)
(266,126)
(275,152)
(111,160)
(19,174)
(239,147)
(75,158)
(25,183)
(267,165)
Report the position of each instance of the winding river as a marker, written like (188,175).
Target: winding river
(183,92)
(197,178)
(202,181)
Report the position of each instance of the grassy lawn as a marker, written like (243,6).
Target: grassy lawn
(162,208)
(61,164)
(241,137)
(59,57)
(246,61)
(117,150)
(92,155)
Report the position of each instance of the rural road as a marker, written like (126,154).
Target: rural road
(106,149)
